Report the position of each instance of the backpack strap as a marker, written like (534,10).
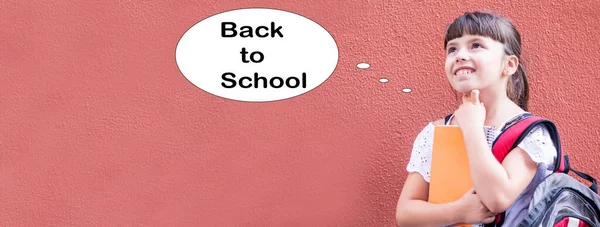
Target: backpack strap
(593,187)
(512,134)
(516,132)
(447,119)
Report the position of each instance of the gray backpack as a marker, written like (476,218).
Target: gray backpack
(559,200)
(562,201)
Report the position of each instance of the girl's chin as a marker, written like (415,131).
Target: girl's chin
(463,88)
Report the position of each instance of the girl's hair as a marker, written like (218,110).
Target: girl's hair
(502,30)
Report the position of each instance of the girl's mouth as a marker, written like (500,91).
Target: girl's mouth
(464,71)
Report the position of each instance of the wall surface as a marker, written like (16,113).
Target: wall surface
(99,128)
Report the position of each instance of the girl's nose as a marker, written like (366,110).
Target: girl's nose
(462,55)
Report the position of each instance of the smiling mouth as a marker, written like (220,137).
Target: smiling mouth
(464,72)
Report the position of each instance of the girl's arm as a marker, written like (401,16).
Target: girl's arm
(414,210)
(498,185)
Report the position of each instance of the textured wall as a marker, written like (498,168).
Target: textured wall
(99,128)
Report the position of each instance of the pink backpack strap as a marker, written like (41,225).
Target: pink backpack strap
(513,133)
(507,140)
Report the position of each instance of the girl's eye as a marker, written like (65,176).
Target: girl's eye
(476,45)
(451,49)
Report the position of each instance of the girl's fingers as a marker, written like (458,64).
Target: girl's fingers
(475,96)
(488,220)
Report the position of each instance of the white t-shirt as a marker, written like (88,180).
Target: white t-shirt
(538,144)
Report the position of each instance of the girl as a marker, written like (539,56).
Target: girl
(483,64)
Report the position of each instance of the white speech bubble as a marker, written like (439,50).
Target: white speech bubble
(288,53)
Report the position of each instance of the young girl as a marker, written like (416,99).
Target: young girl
(483,64)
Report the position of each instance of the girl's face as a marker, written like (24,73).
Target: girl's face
(474,62)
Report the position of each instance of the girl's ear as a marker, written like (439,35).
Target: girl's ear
(512,64)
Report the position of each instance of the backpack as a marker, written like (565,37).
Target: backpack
(559,200)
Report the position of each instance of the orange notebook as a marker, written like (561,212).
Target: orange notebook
(450,178)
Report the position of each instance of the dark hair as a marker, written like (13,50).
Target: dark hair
(502,30)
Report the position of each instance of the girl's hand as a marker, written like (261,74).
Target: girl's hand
(470,115)
(472,209)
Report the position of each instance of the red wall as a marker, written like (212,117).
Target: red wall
(99,128)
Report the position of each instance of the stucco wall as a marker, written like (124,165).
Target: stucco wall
(99,128)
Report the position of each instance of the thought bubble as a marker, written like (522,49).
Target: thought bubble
(363,65)
(406,90)
(257,55)
(383,80)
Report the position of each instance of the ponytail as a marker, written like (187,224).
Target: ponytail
(518,87)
